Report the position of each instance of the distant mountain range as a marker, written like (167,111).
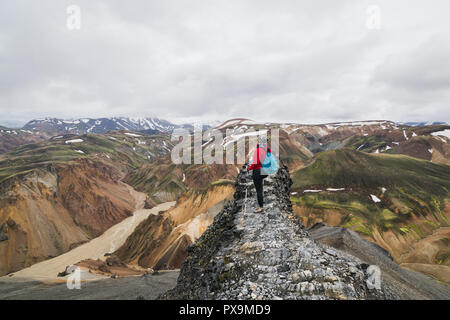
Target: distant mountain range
(103,125)
(423,123)
(150,125)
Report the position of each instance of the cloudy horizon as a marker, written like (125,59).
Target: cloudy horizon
(289,60)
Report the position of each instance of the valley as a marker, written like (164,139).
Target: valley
(72,195)
(95,249)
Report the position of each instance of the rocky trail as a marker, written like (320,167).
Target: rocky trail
(245,255)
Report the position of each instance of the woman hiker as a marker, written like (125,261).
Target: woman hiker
(258,176)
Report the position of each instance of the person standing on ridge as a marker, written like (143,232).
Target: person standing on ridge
(258,178)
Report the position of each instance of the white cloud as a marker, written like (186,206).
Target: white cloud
(299,61)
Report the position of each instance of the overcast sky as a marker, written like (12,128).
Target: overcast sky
(300,61)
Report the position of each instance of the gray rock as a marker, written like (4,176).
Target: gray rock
(273,256)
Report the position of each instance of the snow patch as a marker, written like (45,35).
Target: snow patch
(74,141)
(445,133)
(312,191)
(404,134)
(375,198)
(132,134)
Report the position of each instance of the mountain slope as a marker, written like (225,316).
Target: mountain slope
(100,125)
(244,255)
(49,211)
(411,284)
(60,193)
(13,138)
(399,202)
(160,241)
(103,125)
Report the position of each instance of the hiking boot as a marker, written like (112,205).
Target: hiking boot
(259,210)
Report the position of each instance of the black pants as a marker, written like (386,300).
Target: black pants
(258,180)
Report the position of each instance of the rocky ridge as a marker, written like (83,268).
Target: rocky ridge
(244,255)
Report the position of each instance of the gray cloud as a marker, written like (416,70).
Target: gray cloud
(297,61)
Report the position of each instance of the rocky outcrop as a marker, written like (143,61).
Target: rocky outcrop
(244,255)
(161,240)
(405,283)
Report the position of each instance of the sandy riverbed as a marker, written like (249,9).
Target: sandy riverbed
(109,241)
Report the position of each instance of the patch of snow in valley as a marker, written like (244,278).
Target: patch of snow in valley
(445,133)
(383,190)
(132,134)
(404,134)
(112,138)
(375,198)
(79,151)
(293,193)
(430,151)
(140,141)
(312,191)
(184,177)
(335,189)
(441,139)
(74,141)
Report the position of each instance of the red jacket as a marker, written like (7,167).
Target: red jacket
(258,158)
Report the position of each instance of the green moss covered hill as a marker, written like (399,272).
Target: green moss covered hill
(406,186)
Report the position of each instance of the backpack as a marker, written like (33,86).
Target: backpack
(269,165)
